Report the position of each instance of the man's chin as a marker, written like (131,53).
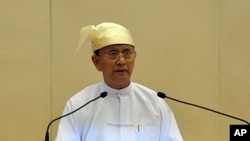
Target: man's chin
(122,80)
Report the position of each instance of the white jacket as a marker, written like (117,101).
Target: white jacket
(134,113)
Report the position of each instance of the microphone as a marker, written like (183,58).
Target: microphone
(163,95)
(102,95)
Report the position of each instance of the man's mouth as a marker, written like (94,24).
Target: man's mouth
(121,70)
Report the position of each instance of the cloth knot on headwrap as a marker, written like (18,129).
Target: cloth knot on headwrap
(105,34)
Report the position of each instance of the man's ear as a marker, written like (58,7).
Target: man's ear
(96,62)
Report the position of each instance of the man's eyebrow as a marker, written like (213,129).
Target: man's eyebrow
(112,50)
(128,49)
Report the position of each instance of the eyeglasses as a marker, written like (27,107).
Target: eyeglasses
(127,55)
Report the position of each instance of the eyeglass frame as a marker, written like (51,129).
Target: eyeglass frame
(107,54)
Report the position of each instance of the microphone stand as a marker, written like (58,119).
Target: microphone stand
(102,95)
(163,95)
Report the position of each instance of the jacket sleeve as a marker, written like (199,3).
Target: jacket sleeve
(169,127)
(67,130)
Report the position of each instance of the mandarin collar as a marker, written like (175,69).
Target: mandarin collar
(117,92)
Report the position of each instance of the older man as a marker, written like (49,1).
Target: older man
(130,112)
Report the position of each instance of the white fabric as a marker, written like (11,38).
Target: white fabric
(131,114)
(105,34)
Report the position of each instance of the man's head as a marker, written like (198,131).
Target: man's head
(114,53)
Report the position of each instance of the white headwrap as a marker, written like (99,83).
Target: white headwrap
(105,34)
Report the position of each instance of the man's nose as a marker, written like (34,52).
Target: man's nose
(121,60)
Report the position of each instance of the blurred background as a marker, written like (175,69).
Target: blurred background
(195,50)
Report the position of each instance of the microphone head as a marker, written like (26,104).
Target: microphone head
(103,94)
(161,94)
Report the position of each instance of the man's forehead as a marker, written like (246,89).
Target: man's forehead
(119,46)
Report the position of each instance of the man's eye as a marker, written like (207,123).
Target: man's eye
(127,52)
(113,53)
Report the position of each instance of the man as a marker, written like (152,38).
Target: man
(130,111)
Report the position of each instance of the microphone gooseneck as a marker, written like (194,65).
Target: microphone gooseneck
(163,95)
(102,95)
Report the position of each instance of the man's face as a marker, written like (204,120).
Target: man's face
(116,63)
